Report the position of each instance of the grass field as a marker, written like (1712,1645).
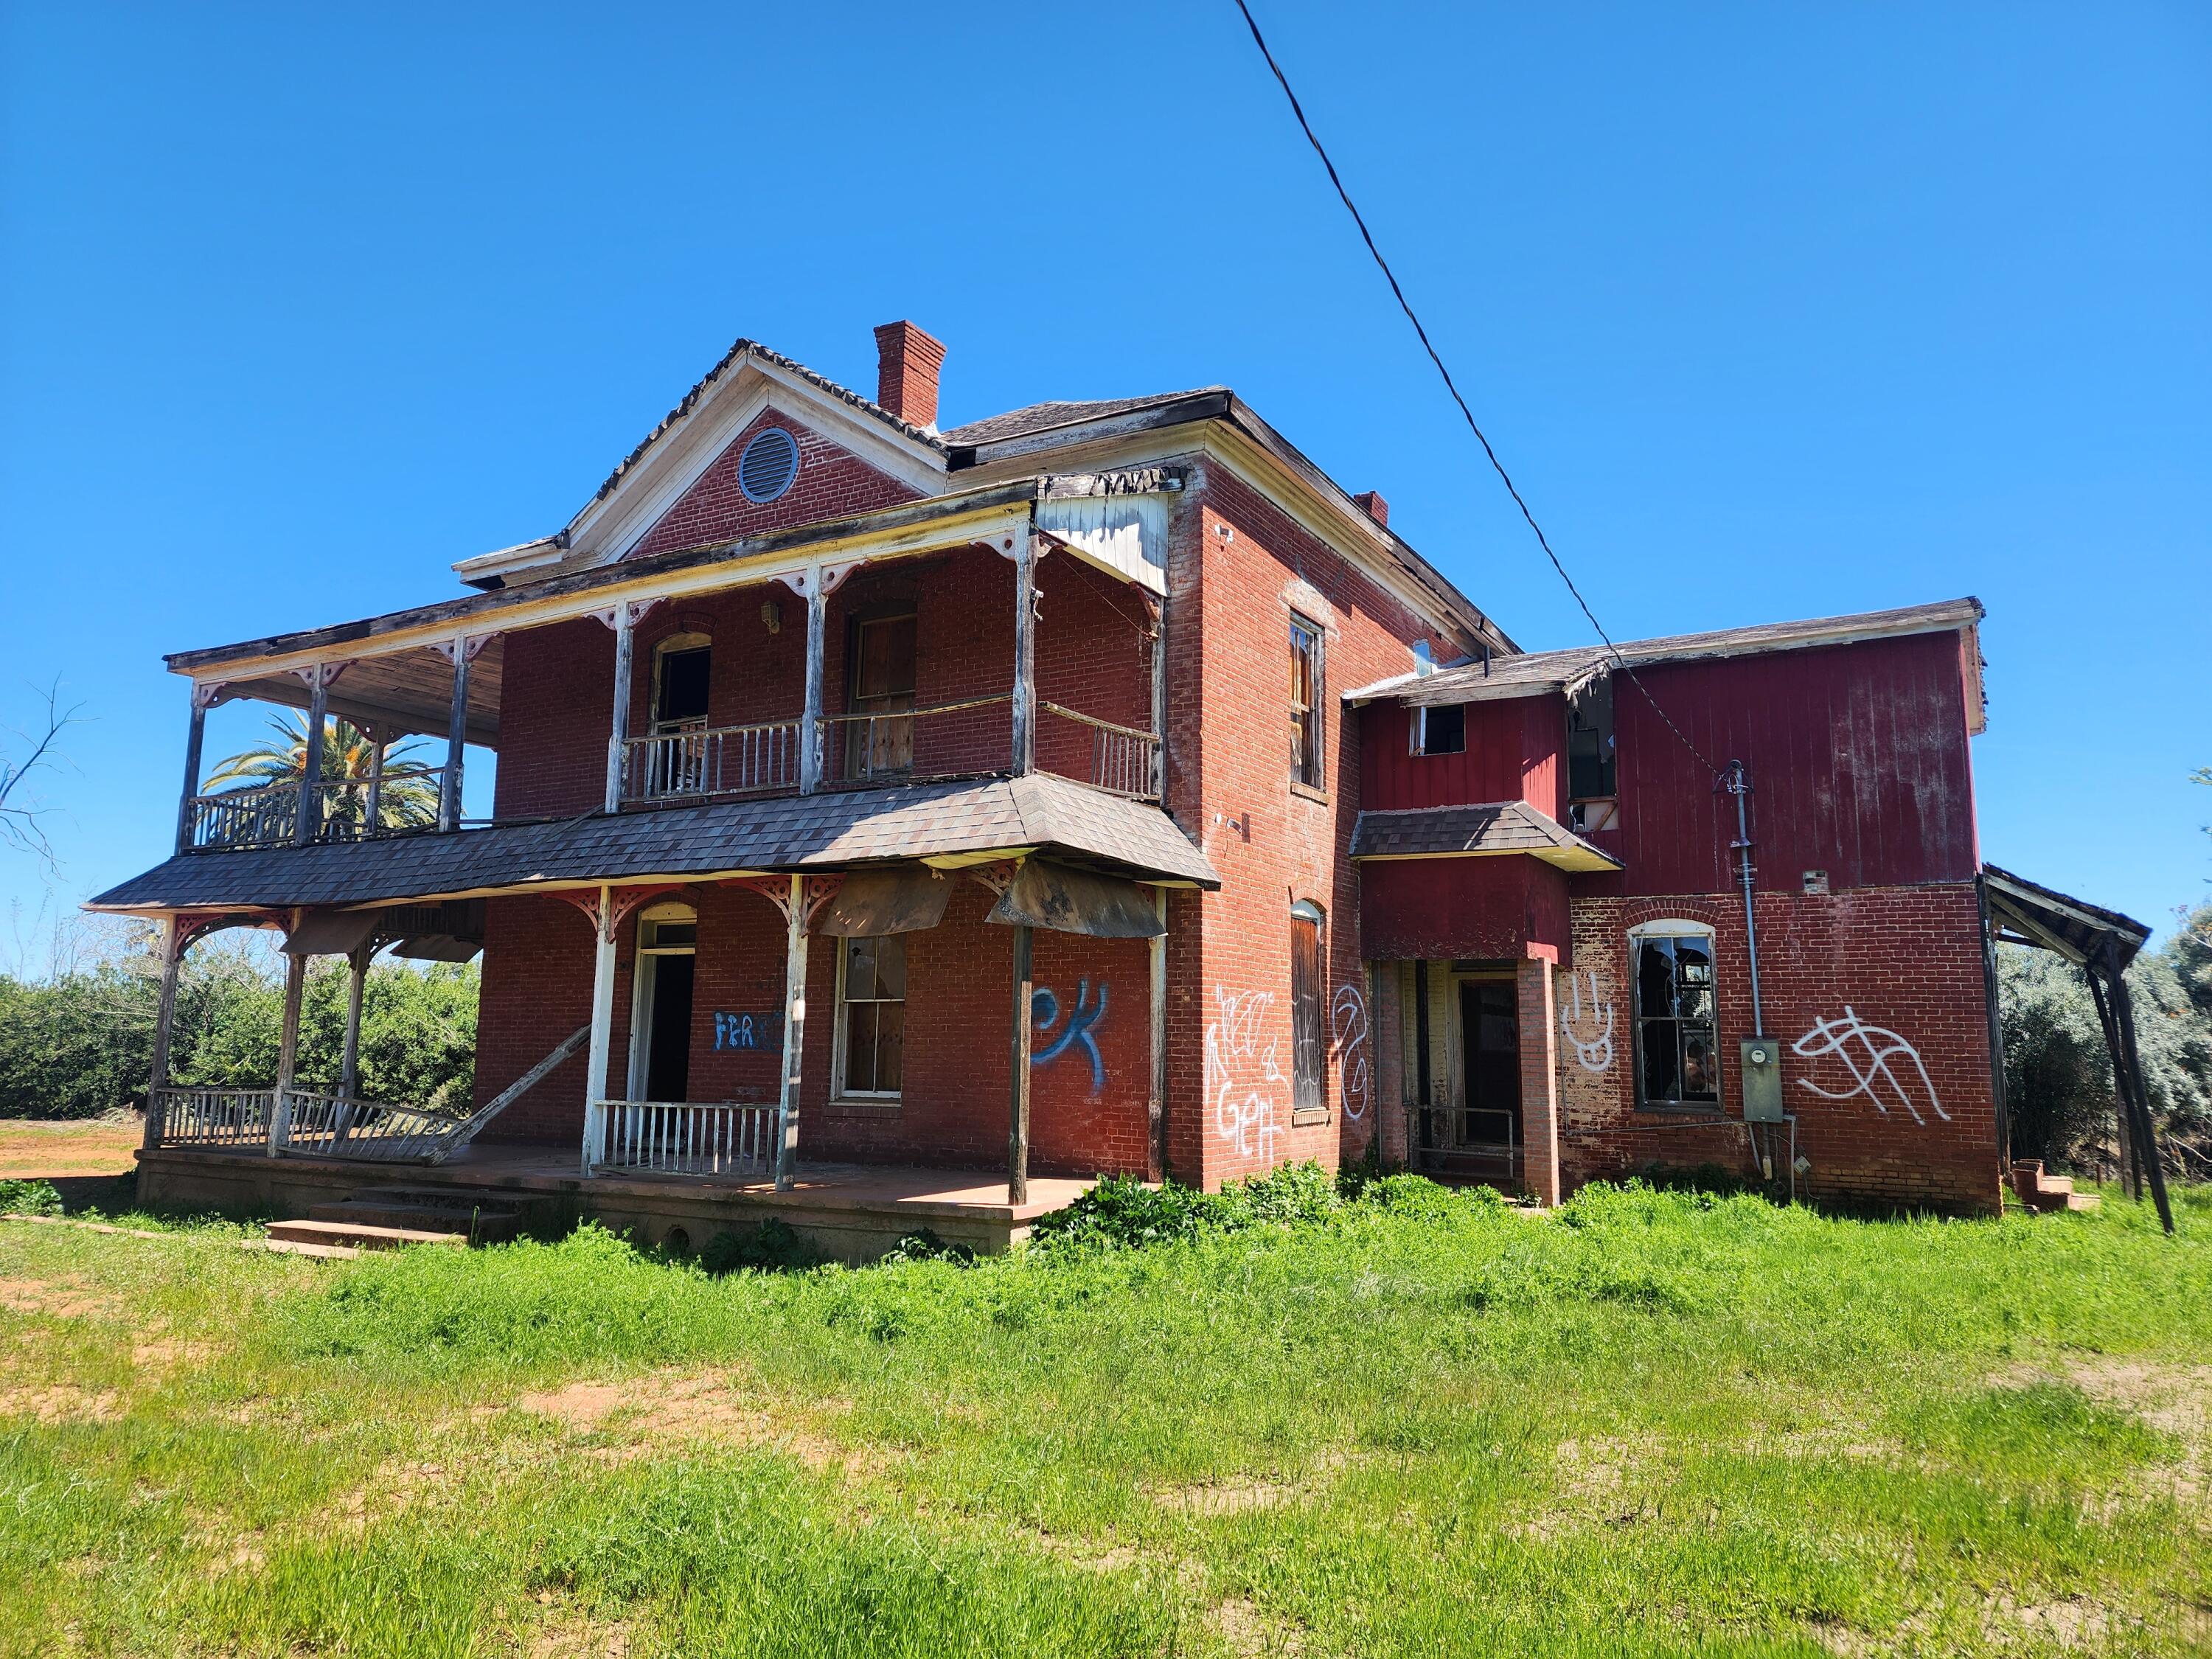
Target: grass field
(1647,1423)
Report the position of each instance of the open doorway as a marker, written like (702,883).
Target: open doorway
(660,1008)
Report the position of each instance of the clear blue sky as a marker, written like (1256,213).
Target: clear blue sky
(1774,311)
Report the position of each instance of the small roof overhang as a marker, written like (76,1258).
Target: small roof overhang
(951,824)
(1492,829)
(2026,914)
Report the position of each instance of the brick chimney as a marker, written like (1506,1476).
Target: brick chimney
(907,361)
(1367,502)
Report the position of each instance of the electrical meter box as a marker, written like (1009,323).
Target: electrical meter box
(1762,1080)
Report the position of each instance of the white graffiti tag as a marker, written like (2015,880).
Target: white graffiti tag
(1348,1019)
(1593,1044)
(1872,1056)
(1240,1076)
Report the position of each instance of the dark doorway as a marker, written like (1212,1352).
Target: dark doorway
(1490,1039)
(668,1039)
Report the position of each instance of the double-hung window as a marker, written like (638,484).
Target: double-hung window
(872,1016)
(1305,702)
(1677,1048)
(1309,1104)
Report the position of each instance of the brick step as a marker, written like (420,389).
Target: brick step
(361,1234)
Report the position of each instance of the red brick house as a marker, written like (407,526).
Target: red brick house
(1094,787)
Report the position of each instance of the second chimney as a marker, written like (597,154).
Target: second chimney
(907,361)
(1371,504)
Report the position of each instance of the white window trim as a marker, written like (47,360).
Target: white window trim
(1673,928)
(838,1089)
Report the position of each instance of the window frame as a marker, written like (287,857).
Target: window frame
(1673,928)
(645,959)
(839,1089)
(1309,725)
(1420,729)
(676,645)
(1309,1019)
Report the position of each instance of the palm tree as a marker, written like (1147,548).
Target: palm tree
(406,799)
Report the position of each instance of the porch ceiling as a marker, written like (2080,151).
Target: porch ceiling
(965,820)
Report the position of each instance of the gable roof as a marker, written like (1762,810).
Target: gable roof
(1536,672)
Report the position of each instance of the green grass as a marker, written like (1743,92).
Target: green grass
(1648,1424)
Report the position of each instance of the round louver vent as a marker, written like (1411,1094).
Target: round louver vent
(769,464)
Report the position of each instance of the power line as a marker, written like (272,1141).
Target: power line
(1451,385)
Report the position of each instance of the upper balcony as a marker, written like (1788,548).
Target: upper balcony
(695,677)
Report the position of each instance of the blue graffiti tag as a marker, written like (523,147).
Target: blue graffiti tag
(1044,1009)
(747,1030)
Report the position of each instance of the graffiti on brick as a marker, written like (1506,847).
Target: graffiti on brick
(748,1030)
(1243,1082)
(1588,1030)
(1044,1013)
(1347,1016)
(1883,1066)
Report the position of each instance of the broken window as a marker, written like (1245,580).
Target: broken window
(1440,730)
(682,667)
(872,1015)
(1593,789)
(1307,1100)
(1677,1052)
(1305,701)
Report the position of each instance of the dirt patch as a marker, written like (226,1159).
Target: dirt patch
(59,1402)
(1226,1497)
(169,1354)
(649,1413)
(1246,1629)
(66,1298)
(93,1146)
(574,1637)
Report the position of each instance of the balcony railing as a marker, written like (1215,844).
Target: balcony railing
(724,760)
(353,809)
(1122,758)
(954,739)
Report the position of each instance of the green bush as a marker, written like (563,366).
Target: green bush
(29,1198)
(924,1245)
(772,1247)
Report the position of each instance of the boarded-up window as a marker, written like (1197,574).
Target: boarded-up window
(1307,1096)
(872,1013)
(1305,701)
(882,686)
(1677,1054)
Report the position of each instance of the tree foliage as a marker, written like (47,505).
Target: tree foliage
(80,1041)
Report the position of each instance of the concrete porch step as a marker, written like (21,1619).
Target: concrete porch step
(486,1219)
(2081,1201)
(361,1234)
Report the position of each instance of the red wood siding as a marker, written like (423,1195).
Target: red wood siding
(1513,753)
(1858,756)
(1502,907)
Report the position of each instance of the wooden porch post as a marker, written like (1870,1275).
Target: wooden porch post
(195,736)
(602,1027)
(794,1027)
(625,655)
(164,1014)
(1018,1137)
(810,736)
(1156,960)
(1024,729)
(371,817)
(308,820)
(357,986)
(457,738)
(288,1050)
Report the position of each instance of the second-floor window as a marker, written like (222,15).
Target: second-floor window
(1440,730)
(682,669)
(1305,701)
(883,687)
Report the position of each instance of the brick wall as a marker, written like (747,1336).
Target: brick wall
(1906,959)
(1239,567)
(833,483)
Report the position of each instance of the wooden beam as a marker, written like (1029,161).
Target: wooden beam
(603,1023)
(308,820)
(1018,1137)
(794,1032)
(1024,728)
(810,730)
(625,658)
(164,1014)
(195,737)
(457,739)
(287,1048)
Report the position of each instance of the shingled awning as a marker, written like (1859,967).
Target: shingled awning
(1504,826)
(961,820)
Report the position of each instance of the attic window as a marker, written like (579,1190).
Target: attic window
(767,464)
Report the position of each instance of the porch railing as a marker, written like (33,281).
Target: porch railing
(673,1138)
(313,1122)
(902,745)
(216,1117)
(1123,759)
(404,803)
(725,760)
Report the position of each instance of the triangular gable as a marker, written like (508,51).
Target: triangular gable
(680,488)
(831,482)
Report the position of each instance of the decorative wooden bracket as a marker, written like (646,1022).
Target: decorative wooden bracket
(997,876)
(815,891)
(207,693)
(626,902)
(631,611)
(801,581)
(473,644)
(322,674)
